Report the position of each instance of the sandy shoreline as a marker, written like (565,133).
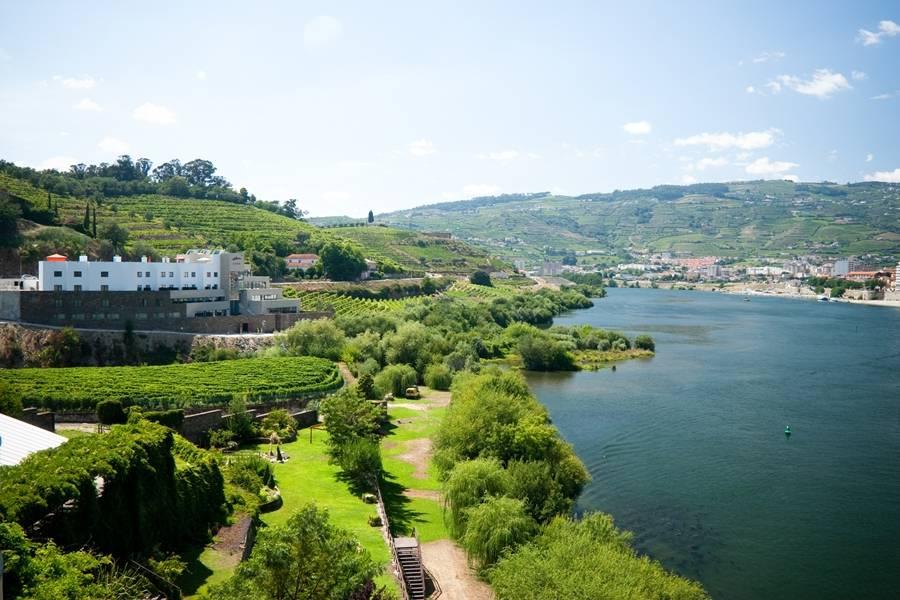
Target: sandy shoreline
(773,294)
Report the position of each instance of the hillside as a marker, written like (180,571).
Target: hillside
(171,224)
(744,219)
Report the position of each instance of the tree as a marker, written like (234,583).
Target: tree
(471,483)
(62,348)
(320,337)
(495,526)
(360,460)
(540,352)
(176,186)
(438,377)
(110,412)
(9,215)
(342,261)
(348,418)
(94,225)
(394,379)
(371,218)
(480,278)
(239,422)
(366,385)
(117,236)
(279,422)
(308,558)
(86,222)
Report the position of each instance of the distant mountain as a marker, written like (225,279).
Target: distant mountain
(741,219)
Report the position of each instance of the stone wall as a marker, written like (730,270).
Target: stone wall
(44,419)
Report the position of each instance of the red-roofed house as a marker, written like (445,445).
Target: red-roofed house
(301,261)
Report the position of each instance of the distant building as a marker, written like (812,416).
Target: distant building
(551,268)
(301,261)
(23,283)
(841,267)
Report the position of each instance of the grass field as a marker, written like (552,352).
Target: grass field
(179,385)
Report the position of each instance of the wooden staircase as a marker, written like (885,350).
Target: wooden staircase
(410,558)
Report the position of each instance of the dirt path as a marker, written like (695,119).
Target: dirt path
(447,564)
(418,454)
(349,379)
(426,494)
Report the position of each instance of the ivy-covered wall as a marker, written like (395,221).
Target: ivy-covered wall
(134,488)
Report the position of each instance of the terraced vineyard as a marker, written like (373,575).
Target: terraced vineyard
(346,305)
(462,289)
(196,384)
(419,252)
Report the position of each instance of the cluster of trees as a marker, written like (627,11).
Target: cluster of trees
(509,485)
(354,430)
(838,285)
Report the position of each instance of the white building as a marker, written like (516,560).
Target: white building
(19,439)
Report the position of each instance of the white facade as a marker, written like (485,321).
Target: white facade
(19,439)
(194,270)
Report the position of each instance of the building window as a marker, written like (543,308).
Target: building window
(77,288)
(104,288)
(162,274)
(104,273)
(113,316)
(147,274)
(57,273)
(139,288)
(215,273)
(76,274)
(78,316)
(99,316)
(140,316)
(157,302)
(193,273)
(61,316)
(140,273)
(174,315)
(58,302)
(171,274)
(57,288)
(105,302)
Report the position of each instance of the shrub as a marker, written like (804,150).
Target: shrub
(395,379)
(480,278)
(438,377)
(542,353)
(644,342)
(170,418)
(10,400)
(469,484)
(348,417)
(279,422)
(110,412)
(251,473)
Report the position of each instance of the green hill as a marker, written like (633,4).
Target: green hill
(743,219)
(171,224)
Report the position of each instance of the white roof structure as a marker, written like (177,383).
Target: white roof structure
(18,440)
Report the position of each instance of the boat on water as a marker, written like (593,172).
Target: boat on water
(823,299)
(787,430)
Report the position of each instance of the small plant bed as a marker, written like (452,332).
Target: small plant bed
(592,360)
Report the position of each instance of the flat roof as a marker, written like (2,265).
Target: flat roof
(19,439)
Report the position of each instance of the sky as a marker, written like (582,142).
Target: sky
(352,106)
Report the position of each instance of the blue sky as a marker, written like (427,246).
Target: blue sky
(356,105)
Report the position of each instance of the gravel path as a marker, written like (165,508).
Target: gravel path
(447,564)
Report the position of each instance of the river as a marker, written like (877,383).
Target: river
(687,449)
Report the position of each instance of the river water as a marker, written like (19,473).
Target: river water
(687,449)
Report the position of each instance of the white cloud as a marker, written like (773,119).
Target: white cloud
(858,75)
(113,145)
(321,31)
(790,177)
(870,157)
(480,189)
(421,148)
(201,75)
(769,56)
(763,166)
(60,163)
(886,96)
(752,140)
(822,84)
(74,83)
(750,89)
(888,176)
(87,104)
(706,163)
(688,179)
(885,29)
(154,113)
(503,155)
(638,127)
